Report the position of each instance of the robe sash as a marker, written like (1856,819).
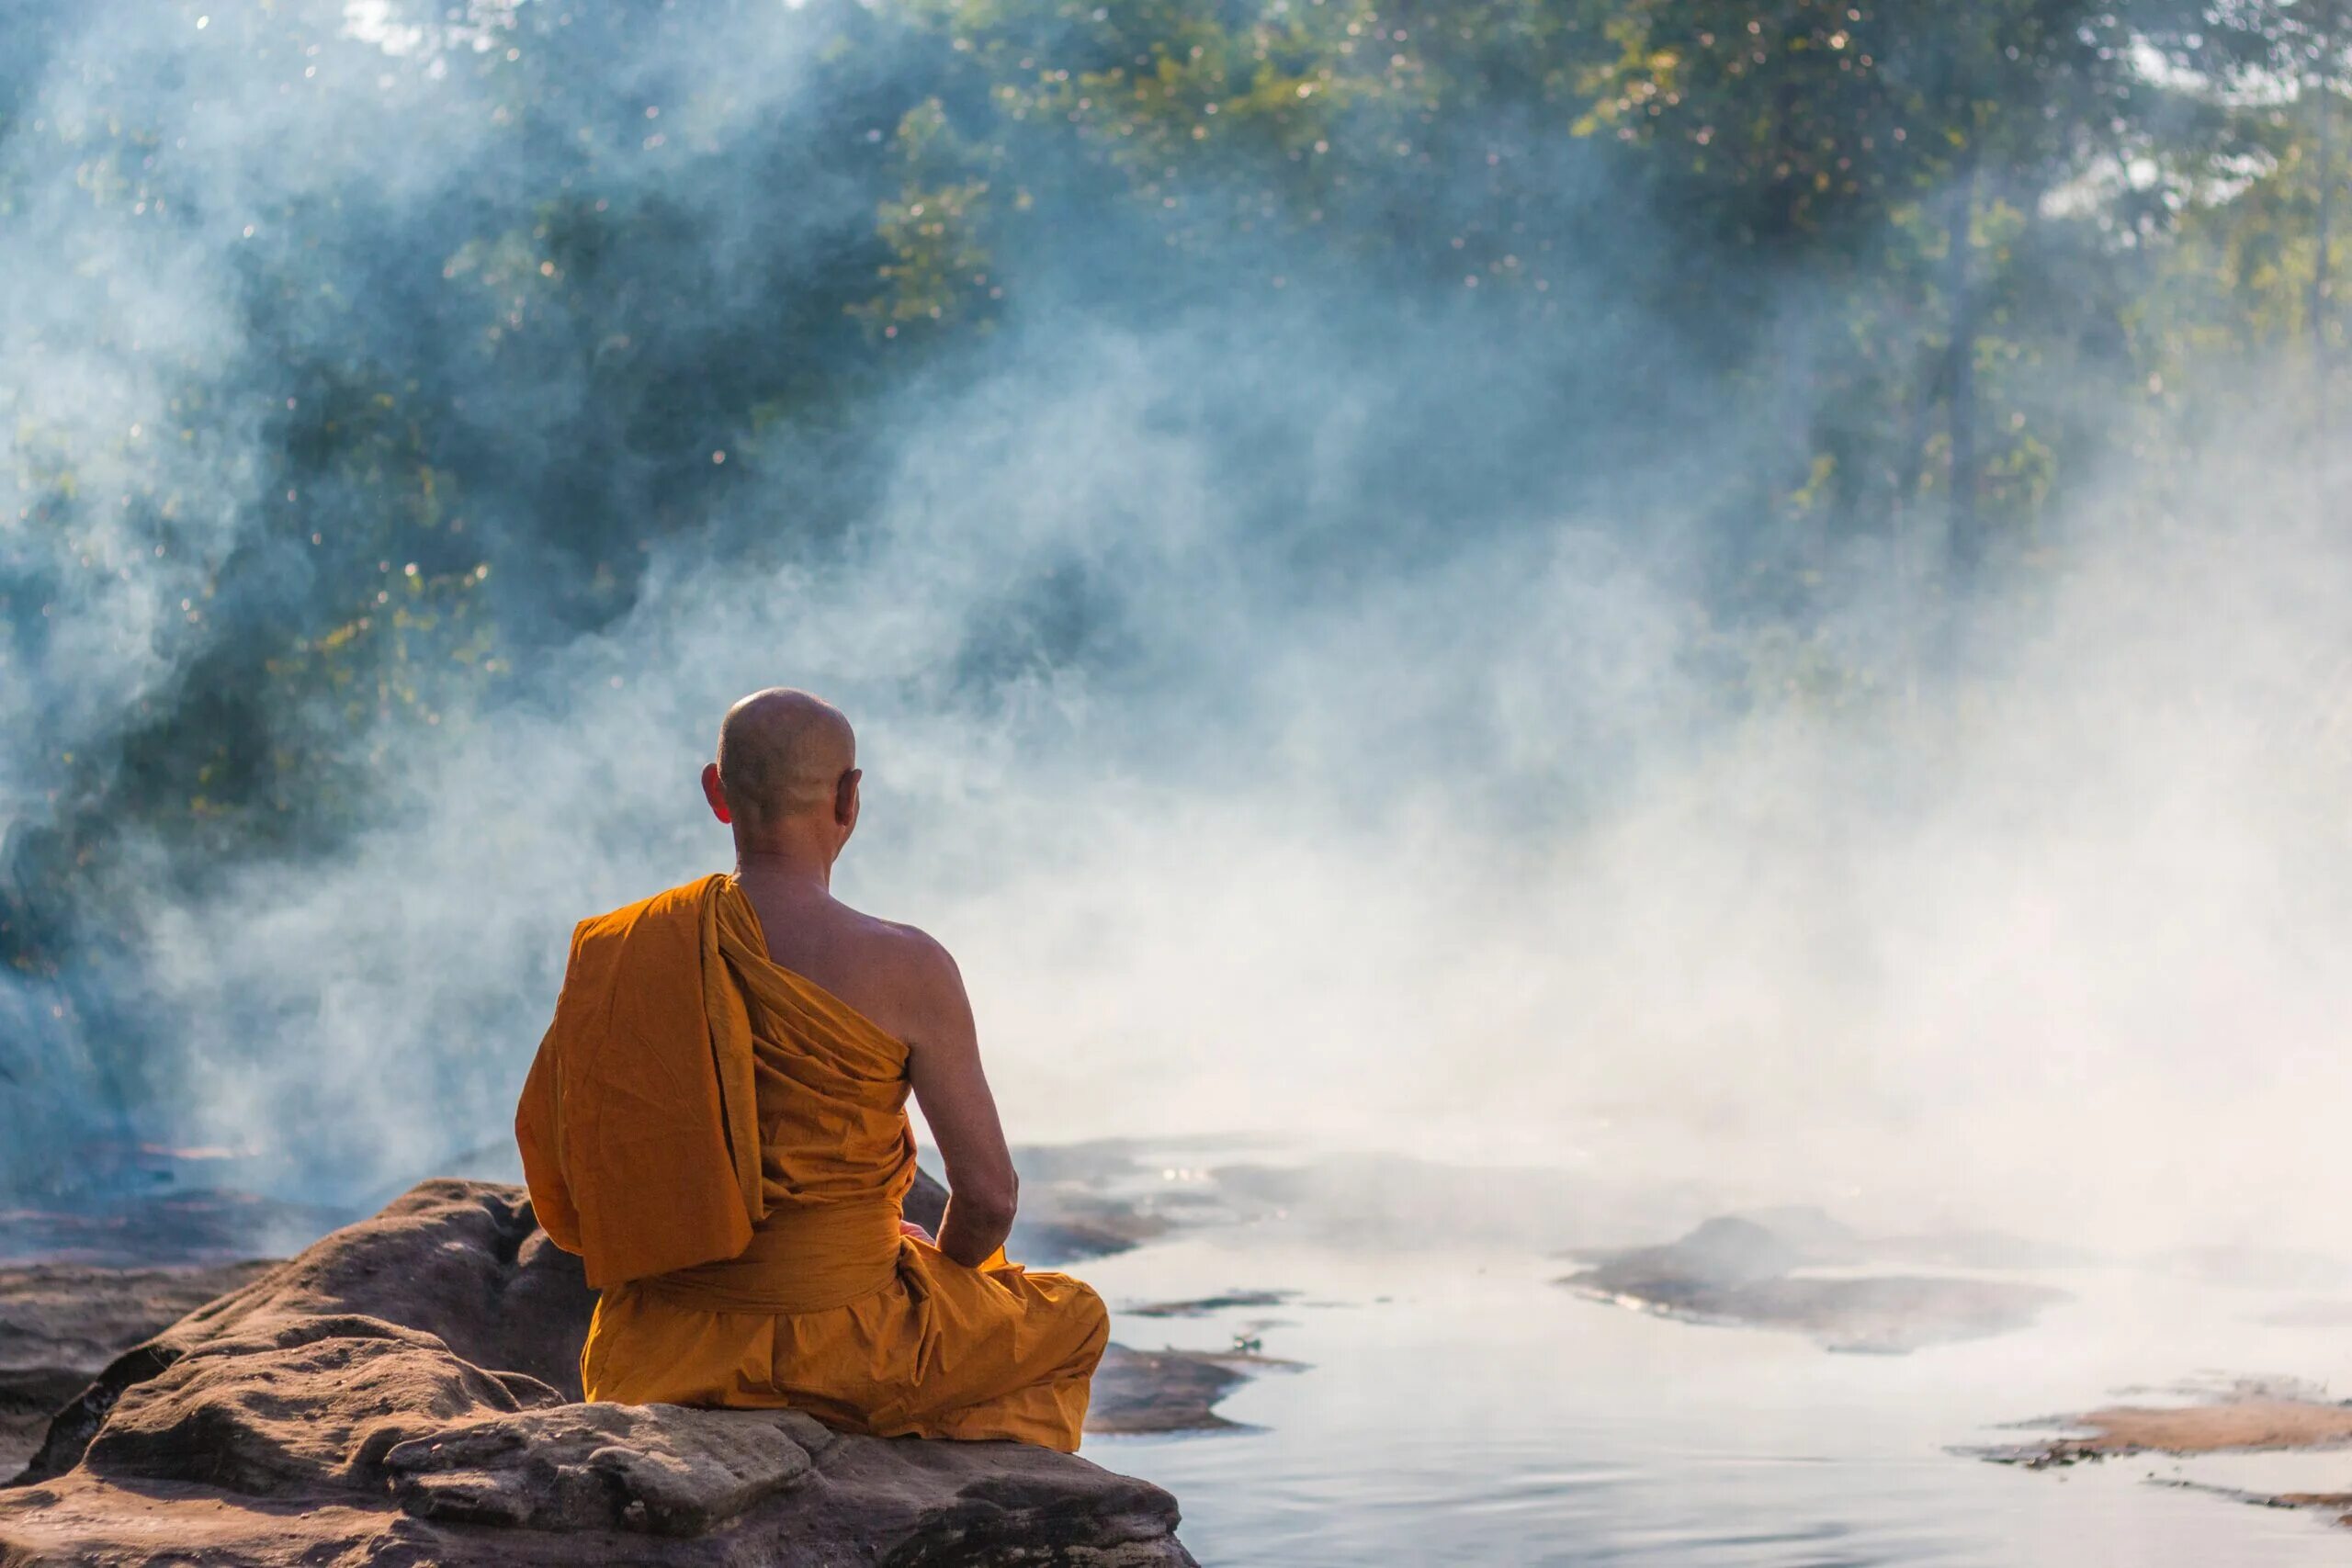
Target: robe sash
(800,1259)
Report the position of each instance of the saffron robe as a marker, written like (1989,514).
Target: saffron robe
(726,1145)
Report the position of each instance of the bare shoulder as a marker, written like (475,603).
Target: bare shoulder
(926,976)
(922,956)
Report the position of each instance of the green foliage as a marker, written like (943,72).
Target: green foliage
(2016,243)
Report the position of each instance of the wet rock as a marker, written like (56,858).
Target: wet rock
(1747,1271)
(2246,1415)
(1720,1255)
(406,1391)
(2241,1416)
(1166,1391)
(1204,1306)
(1084,1201)
(1069,1230)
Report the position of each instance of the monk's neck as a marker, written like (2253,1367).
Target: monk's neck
(784,870)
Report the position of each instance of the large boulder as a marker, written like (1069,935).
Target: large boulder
(407,1390)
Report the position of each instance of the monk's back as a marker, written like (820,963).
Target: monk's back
(872,964)
(830,1308)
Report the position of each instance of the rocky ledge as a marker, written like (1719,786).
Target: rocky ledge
(406,1392)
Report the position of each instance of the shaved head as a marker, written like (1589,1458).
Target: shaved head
(782,754)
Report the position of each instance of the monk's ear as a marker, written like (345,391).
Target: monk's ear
(713,794)
(845,798)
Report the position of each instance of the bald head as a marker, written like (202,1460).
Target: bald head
(783,754)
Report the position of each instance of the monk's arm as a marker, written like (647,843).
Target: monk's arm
(943,1063)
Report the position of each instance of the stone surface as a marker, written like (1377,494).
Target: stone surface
(406,1391)
(662,1469)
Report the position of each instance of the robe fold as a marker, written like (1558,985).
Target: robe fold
(726,1145)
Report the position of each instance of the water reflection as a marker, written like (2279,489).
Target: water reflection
(1458,1406)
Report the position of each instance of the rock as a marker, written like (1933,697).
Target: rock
(406,1391)
(1166,1391)
(1744,1270)
(1069,1229)
(926,1201)
(1722,1254)
(1084,1201)
(308,1397)
(2250,1416)
(1201,1307)
(666,1470)
(2244,1416)
(60,1323)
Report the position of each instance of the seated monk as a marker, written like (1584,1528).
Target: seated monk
(716,1122)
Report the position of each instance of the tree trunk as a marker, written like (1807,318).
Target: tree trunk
(2321,271)
(1915,545)
(1965,541)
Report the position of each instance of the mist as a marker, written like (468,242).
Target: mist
(1309,698)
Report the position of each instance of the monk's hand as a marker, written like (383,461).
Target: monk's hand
(908,1228)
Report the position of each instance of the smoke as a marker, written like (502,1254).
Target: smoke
(1328,708)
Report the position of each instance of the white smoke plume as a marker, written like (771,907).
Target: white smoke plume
(1481,827)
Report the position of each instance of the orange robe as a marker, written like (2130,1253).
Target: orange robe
(726,1144)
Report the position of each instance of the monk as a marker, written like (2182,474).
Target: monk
(716,1122)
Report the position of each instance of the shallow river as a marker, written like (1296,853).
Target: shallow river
(1457,1406)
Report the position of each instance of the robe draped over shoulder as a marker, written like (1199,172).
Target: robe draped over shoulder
(638,1125)
(725,1142)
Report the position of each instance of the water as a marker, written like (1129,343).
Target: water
(1456,1405)
(1453,1404)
